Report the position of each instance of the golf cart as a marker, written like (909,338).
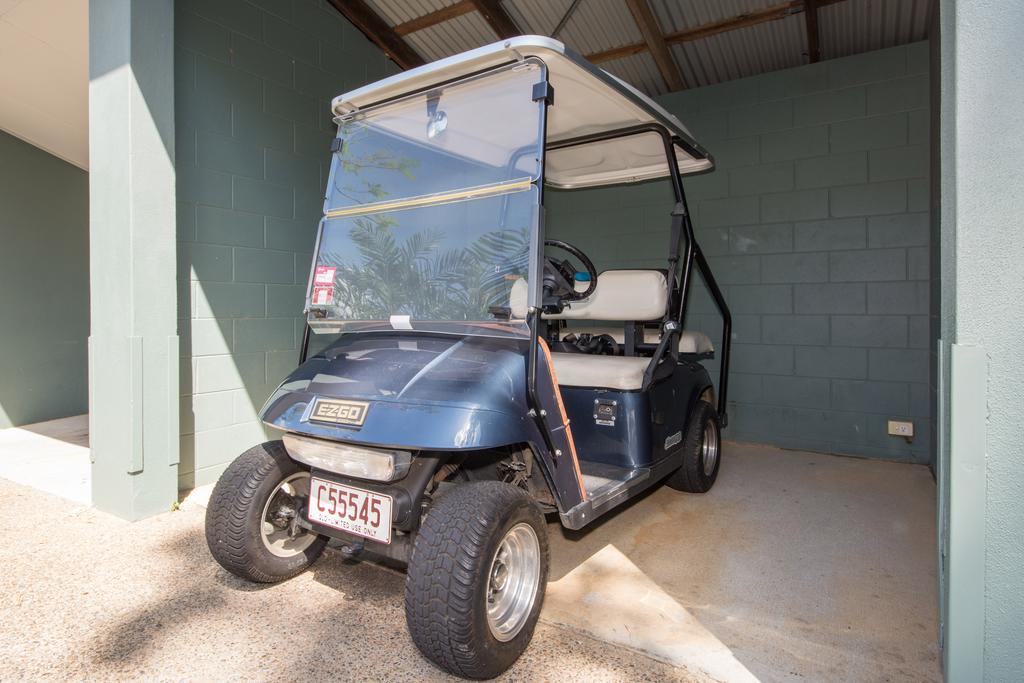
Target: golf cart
(471,380)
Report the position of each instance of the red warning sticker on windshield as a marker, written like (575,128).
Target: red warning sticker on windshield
(324,275)
(323,285)
(323,295)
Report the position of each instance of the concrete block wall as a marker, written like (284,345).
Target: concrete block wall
(254,82)
(816,224)
(44,285)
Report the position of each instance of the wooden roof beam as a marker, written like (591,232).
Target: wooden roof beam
(773,13)
(435,17)
(811,24)
(656,45)
(616,53)
(378,30)
(498,18)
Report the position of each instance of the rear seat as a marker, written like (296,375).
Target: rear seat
(640,295)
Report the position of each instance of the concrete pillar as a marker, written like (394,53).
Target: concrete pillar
(133,343)
(982,268)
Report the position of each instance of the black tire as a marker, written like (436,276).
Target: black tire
(691,477)
(234,516)
(447,585)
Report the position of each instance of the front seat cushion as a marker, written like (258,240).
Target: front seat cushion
(625,373)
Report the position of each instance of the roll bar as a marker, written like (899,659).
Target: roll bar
(682,227)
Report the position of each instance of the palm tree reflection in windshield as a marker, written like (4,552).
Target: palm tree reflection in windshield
(421,278)
(378,274)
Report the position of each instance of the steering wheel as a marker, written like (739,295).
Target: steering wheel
(560,276)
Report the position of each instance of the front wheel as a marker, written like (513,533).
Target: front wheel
(702,451)
(251,521)
(476,578)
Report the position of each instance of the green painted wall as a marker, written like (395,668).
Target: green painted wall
(254,84)
(44,285)
(816,224)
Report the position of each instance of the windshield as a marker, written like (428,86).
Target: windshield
(430,206)
(474,133)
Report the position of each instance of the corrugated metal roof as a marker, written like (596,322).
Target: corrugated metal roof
(639,71)
(596,25)
(744,52)
(540,15)
(845,28)
(441,40)
(453,36)
(400,11)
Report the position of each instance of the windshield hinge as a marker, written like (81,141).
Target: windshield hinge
(544,91)
(337,144)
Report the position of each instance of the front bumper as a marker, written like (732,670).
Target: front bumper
(406,494)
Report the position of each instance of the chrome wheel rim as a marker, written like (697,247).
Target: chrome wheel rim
(277,523)
(512,582)
(709,448)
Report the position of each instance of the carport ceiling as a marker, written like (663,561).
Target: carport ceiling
(657,45)
(44,75)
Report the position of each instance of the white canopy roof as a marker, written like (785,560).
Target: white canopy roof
(587,100)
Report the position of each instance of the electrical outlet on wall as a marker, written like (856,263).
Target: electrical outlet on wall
(902,428)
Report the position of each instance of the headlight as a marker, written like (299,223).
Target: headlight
(378,464)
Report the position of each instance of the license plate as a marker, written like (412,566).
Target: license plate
(359,512)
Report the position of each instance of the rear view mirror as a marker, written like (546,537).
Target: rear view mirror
(437,120)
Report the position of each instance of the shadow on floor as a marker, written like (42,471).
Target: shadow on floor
(73,430)
(97,598)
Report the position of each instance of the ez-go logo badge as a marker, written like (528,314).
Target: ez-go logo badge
(339,412)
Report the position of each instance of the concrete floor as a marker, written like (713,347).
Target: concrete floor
(88,597)
(806,566)
(51,456)
(795,566)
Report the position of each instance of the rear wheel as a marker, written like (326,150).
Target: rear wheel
(251,519)
(476,578)
(702,451)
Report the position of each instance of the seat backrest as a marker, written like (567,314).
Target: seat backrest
(621,295)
